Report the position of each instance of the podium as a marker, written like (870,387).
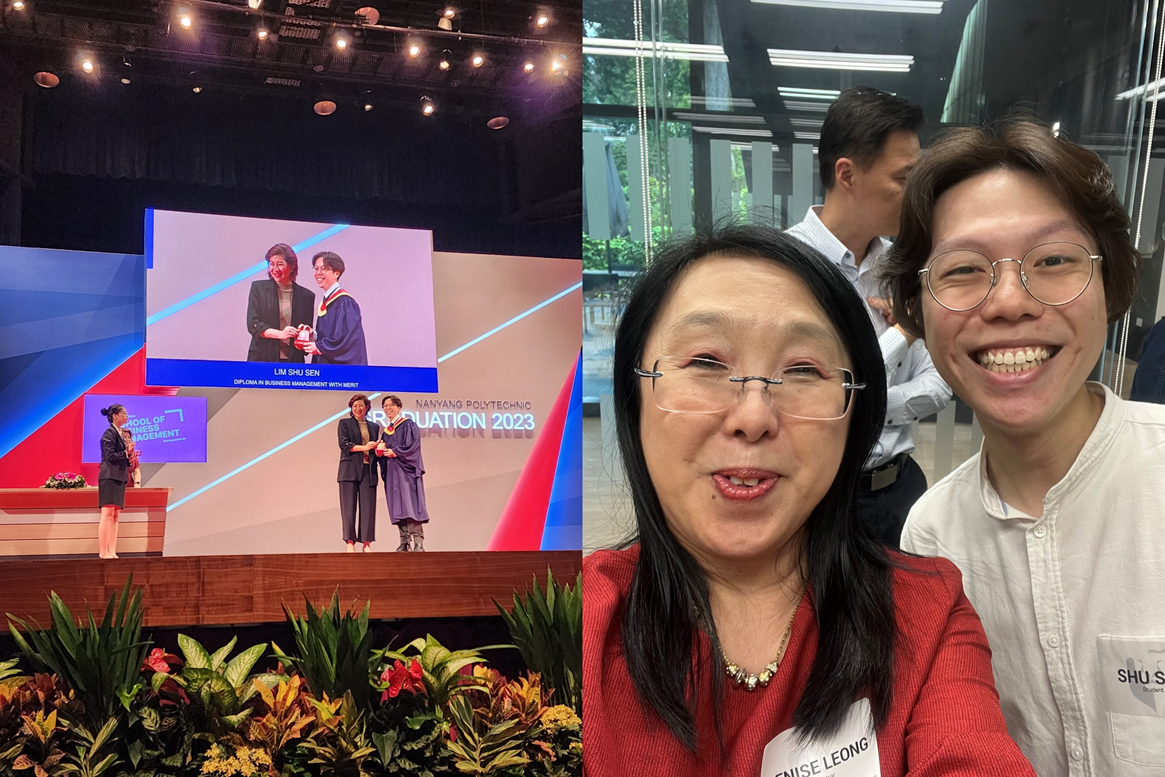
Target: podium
(62,523)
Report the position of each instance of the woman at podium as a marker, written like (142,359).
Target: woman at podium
(112,479)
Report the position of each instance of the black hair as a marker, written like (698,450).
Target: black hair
(330,260)
(847,571)
(858,124)
(393,398)
(111,411)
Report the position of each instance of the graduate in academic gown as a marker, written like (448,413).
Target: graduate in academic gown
(339,328)
(402,471)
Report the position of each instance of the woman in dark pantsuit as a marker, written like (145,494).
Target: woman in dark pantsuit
(357,476)
(276,308)
(111,480)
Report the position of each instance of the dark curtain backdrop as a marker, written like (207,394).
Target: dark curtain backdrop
(97,161)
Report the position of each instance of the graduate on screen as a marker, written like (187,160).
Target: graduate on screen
(339,331)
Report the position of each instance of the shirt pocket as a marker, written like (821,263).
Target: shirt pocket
(1138,739)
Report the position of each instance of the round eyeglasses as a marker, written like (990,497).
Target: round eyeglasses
(1052,273)
(689,385)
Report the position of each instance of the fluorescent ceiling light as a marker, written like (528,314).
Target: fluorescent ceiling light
(808,94)
(830,60)
(1150,88)
(735,102)
(694,52)
(748,147)
(727,118)
(807,123)
(890,6)
(794,105)
(807,135)
(751,133)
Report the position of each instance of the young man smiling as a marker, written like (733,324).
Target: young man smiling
(1014,256)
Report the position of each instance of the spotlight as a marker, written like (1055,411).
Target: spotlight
(558,64)
(185,21)
(478,60)
(341,42)
(449,12)
(87,65)
(18,5)
(446,55)
(497,122)
(444,24)
(428,107)
(197,90)
(254,4)
(414,49)
(46,79)
(367,15)
(542,20)
(325,107)
(125,81)
(367,107)
(262,33)
(528,67)
(446,20)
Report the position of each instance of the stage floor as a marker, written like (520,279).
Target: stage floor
(233,590)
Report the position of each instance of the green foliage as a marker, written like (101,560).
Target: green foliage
(340,743)
(335,651)
(441,667)
(288,713)
(10,677)
(36,749)
(547,629)
(100,662)
(217,690)
(409,734)
(91,758)
(483,747)
(611,80)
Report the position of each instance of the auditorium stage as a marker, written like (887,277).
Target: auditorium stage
(237,590)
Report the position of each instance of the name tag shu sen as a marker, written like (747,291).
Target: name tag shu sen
(851,752)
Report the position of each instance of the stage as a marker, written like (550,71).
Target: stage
(239,590)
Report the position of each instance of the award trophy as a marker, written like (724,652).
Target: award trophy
(306,335)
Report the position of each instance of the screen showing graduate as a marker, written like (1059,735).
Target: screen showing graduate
(260,303)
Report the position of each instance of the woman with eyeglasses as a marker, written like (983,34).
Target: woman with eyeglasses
(753,626)
(1013,258)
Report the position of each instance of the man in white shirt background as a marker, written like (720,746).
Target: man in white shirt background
(869,144)
(1058,523)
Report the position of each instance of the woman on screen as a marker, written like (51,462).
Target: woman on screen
(276,308)
(112,479)
(339,330)
(754,612)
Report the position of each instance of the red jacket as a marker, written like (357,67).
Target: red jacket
(944,719)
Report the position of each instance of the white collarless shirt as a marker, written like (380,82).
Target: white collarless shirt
(914,388)
(1073,602)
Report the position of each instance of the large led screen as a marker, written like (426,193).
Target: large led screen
(236,302)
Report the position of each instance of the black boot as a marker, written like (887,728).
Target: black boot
(404,538)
